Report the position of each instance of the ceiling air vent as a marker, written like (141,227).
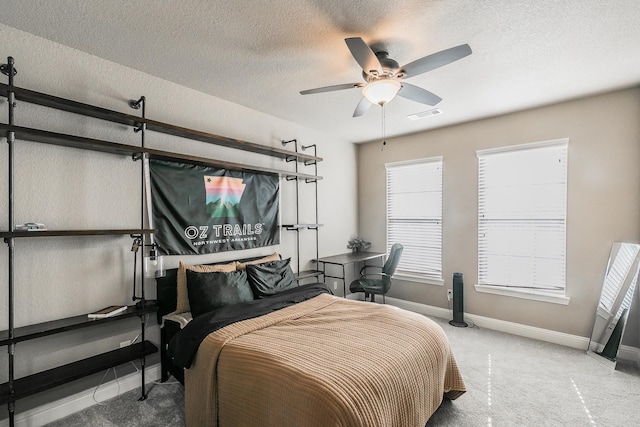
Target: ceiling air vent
(423,114)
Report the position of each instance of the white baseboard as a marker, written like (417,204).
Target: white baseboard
(61,408)
(574,341)
(547,335)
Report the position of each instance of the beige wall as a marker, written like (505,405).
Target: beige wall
(603,200)
(74,189)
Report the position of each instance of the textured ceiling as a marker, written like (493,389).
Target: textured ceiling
(260,54)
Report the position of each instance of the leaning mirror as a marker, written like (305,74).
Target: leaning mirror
(615,301)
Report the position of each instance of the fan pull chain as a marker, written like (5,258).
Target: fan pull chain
(384,142)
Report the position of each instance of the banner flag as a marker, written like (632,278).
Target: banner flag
(200,209)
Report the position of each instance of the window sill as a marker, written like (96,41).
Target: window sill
(419,279)
(525,294)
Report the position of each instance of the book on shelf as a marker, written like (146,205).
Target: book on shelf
(30,226)
(112,310)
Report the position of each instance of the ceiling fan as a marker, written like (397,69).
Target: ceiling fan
(384,77)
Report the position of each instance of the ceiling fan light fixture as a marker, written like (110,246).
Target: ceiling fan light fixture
(381,91)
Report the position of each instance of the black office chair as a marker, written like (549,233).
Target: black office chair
(381,284)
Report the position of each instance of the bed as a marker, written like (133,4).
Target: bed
(298,355)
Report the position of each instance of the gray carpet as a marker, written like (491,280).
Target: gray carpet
(515,381)
(162,408)
(511,381)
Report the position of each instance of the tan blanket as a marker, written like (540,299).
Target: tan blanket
(324,362)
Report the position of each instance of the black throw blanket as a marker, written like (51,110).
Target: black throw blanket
(184,345)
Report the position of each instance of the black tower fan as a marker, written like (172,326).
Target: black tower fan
(458,302)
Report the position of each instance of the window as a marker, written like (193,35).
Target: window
(414,217)
(521,217)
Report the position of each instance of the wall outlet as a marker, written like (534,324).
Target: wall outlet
(126,343)
(335,285)
(449,294)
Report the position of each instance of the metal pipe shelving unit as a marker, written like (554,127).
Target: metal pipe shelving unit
(15,389)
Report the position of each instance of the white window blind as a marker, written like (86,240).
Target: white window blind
(414,216)
(522,216)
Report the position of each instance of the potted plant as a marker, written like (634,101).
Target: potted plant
(356,244)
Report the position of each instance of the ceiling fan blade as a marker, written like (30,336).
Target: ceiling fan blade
(331,88)
(363,54)
(363,107)
(418,94)
(436,60)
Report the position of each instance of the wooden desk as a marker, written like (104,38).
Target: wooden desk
(343,260)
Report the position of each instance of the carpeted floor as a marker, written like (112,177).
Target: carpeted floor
(515,381)
(511,381)
(162,408)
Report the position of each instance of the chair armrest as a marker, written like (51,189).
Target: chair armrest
(363,270)
(376,275)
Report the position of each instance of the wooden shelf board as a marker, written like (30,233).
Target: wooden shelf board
(130,120)
(38,330)
(63,104)
(194,160)
(299,226)
(228,142)
(307,273)
(69,233)
(60,139)
(64,140)
(45,380)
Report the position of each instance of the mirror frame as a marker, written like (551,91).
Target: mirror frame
(618,288)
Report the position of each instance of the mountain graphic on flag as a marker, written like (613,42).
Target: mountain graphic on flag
(223,195)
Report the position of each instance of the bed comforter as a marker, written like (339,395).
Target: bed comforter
(324,361)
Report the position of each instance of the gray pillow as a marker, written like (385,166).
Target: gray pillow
(269,278)
(212,290)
